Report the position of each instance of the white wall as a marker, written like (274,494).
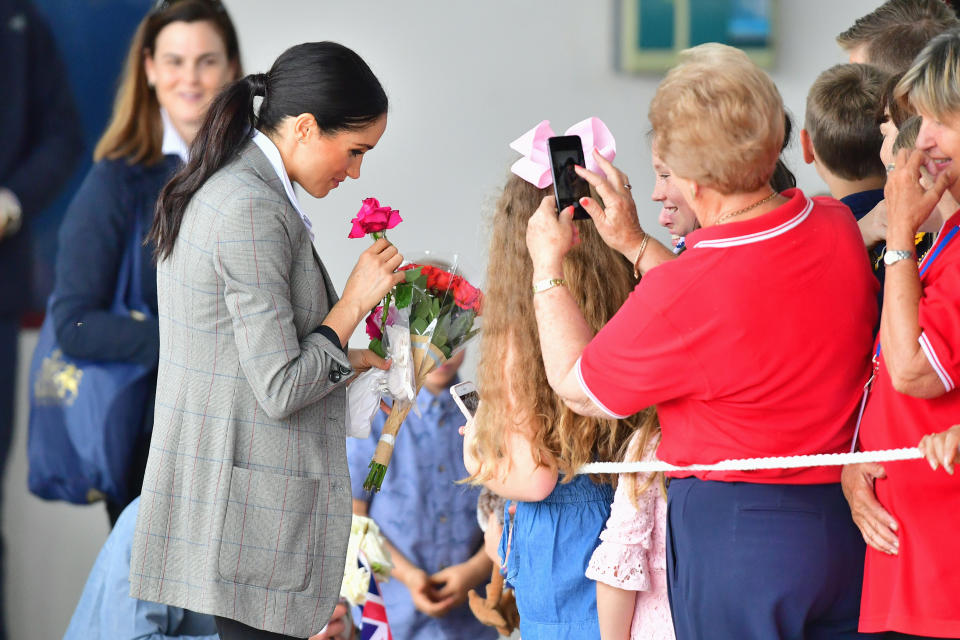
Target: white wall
(464,79)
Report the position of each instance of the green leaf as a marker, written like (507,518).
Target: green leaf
(447,351)
(461,324)
(421,283)
(404,295)
(424,310)
(412,275)
(377,347)
(441,332)
(436,307)
(418,326)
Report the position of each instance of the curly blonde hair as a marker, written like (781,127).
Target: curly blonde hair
(600,280)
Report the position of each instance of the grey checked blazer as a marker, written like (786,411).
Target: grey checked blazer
(245,510)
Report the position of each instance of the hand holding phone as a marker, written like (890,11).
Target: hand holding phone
(466,396)
(568,187)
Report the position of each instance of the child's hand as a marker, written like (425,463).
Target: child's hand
(942,448)
(425,597)
(340,626)
(452,584)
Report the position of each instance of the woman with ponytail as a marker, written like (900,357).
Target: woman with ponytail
(182,54)
(246,501)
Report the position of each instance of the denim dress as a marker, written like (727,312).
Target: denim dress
(550,544)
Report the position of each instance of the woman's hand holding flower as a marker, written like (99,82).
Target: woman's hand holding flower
(373,276)
(549,238)
(618,224)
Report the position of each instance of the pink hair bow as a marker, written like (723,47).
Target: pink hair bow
(534,166)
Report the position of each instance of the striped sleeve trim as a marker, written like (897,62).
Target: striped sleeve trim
(590,394)
(935,362)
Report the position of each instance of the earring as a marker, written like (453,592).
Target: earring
(300,139)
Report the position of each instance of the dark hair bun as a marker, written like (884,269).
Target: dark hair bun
(258,83)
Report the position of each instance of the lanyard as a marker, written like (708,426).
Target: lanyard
(924,267)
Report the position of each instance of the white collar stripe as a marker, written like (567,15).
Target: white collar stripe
(589,394)
(276,161)
(759,236)
(938,367)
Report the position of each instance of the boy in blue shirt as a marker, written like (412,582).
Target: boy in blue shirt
(429,521)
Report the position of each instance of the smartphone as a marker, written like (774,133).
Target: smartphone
(466,397)
(568,187)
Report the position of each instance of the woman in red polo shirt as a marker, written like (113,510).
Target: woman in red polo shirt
(912,576)
(754,342)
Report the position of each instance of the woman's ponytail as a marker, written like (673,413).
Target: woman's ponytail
(225,129)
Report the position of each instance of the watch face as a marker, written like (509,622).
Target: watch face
(891,257)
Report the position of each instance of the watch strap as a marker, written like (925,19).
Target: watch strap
(544,285)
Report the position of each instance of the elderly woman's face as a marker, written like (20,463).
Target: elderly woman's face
(940,140)
(676,215)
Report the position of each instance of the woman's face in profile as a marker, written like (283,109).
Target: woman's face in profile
(939,138)
(188,68)
(323,161)
(676,216)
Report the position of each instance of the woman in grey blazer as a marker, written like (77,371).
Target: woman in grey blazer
(245,509)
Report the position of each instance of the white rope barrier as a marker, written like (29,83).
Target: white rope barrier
(752,464)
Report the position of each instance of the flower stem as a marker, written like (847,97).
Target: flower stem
(376,235)
(375,478)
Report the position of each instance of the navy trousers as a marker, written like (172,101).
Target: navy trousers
(9,334)
(762,562)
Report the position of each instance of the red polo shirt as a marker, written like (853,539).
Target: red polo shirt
(918,590)
(754,342)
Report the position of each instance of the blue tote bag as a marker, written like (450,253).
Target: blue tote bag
(86,415)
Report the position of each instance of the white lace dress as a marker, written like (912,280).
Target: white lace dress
(633,556)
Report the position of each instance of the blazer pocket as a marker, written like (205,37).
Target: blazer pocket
(269,532)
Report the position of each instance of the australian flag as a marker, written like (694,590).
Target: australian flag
(373,620)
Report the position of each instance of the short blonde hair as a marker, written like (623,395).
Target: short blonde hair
(718,120)
(932,84)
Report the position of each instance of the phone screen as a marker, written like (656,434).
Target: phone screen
(470,400)
(565,152)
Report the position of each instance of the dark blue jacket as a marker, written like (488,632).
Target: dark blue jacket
(95,232)
(41,138)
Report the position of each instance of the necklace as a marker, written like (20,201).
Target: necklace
(753,206)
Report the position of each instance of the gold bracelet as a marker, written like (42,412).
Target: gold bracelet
(636,263)
(546,285)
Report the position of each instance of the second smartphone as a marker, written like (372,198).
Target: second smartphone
(568,187)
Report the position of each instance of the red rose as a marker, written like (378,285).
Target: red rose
(373,218)
(373,324)
(465,295)
(441,280)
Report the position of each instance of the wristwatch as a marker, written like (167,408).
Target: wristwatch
(893,256)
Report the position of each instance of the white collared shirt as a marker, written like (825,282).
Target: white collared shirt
(173,143)
(273,155)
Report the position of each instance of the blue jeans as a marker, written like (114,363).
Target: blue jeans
(9,334)
(762,561)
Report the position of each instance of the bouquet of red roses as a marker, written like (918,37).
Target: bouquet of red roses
(444,310)
(431,315)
